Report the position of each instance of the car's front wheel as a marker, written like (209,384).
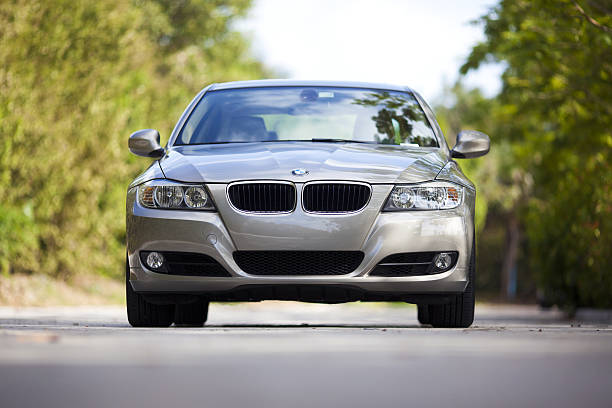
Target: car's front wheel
(142,313)
(459,312)
(423,313)
(191,314)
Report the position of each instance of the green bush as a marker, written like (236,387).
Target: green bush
(19,239)
(76,78)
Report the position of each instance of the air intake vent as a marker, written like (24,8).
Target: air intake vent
(335,197)
(262,197)
(300,263)
(187,264)
(412,264)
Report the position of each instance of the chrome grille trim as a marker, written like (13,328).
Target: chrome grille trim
(403,263)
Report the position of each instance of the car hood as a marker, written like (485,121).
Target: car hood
(223,163)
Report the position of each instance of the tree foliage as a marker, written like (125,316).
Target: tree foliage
(76,78)
(502,187)
(555,114)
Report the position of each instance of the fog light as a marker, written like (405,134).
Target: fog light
(155,260)
(443,260)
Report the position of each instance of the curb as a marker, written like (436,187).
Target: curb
(594,315)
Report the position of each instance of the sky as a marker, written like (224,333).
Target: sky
(421,44)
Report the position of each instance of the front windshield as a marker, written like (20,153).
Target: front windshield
(324,114)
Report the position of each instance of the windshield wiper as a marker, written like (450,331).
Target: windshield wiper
(319,140)
(322,140)
(212,143)
(281,140)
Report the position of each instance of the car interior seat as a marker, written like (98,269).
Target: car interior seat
(247,129)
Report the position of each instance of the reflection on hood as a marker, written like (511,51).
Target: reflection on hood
(222,163)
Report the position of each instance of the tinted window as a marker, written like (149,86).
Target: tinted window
(306,113)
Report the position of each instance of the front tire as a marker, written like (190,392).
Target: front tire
(423,313)
(141,313)
(191,314)
(459,312)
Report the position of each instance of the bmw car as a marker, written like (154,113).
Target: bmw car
(324,192)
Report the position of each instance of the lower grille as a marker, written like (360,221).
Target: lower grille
(187,264)
(298,263)
(410,264)
(400,270)
(262,197)
(335,197)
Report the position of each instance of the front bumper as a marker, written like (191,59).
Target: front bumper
(388,233)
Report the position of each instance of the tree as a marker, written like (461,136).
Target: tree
(502,187)
(556,106)
(76,78)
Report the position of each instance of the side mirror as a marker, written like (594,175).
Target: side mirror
(471,143)
(146,143)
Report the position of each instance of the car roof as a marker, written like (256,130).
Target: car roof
(294,82)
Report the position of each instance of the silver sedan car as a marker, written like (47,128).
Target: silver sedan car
(307,191)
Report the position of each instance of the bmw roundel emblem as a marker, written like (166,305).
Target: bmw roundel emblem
(299,172)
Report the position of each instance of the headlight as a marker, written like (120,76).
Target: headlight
(175,196)
(431,196)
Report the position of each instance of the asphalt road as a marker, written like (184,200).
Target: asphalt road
(276,354)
